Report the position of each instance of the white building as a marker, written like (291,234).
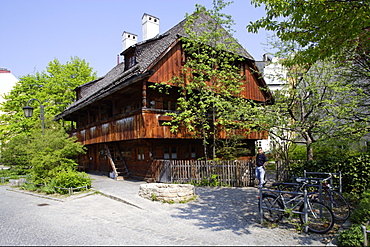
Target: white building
(7,82)
(275,76)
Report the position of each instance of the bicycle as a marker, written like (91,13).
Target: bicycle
(320,218)
(331,198)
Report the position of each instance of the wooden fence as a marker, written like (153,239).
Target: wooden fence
(237,173)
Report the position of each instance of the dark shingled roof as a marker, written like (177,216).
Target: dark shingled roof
(146,53)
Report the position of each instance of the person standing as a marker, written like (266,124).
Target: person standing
(261,162)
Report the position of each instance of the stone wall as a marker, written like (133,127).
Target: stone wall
(167,192)
(17,182)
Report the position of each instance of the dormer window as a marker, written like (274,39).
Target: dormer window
(131,61)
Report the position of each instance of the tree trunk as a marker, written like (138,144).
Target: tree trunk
(309,152)
(309,148)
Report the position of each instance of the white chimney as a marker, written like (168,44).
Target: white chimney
(128,39)
(150,26)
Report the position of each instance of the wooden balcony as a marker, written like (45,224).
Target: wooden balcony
(142,124)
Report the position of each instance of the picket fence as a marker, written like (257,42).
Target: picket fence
(236,173)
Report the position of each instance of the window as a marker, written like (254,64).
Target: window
(259,143)
(173,153)
(173,105)
(165,105)
(140,154)
(190,153)
(170,153)
(169,105)
(166,154)
(131,61)
(193,154)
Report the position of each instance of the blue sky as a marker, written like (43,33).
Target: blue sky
(34,32)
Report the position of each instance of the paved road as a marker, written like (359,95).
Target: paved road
(219,216)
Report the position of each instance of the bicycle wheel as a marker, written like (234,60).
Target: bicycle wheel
(270,202)
(336,202)
(290,188)
(320,217)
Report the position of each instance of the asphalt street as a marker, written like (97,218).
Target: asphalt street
(118,216)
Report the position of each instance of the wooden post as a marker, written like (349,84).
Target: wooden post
(144,94)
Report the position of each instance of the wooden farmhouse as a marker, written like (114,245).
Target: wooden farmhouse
(119,117)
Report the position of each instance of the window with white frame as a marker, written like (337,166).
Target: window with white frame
(140,154)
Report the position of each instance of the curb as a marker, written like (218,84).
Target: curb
(70,198)
(118,199)
(52,198)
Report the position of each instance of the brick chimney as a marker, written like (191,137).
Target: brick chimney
(150,26)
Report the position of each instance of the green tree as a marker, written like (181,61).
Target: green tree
(323,28)
(314,106)
(212,81)
(54,88)
(14,153)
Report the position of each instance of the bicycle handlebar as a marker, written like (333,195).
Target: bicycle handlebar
(313,180)
(326,179)
(306,180)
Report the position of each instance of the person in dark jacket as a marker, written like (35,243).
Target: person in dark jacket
(261,162)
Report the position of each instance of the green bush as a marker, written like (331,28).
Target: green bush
(351,237)
(355,173)
(335,150)
(209,181)
(354,169)
(29,186)
(71,179)
(297,152)
(48,189)
(52,153)
(49,158)
(361,214)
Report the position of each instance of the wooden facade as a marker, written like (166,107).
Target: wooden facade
(119,118)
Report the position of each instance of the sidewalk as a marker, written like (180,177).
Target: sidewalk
(126,191)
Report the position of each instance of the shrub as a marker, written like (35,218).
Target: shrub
(355,173)
(49,158)
(209,181)
(29,186)
(48,189)
(52,153)
(361,215)
(351,237)
(297,152)
(355,170)
(71,179)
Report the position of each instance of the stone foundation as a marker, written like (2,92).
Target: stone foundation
(167,192)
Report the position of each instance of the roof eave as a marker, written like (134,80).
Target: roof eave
(111,88)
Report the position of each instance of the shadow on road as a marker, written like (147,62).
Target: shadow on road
(222,208)
(236,209)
